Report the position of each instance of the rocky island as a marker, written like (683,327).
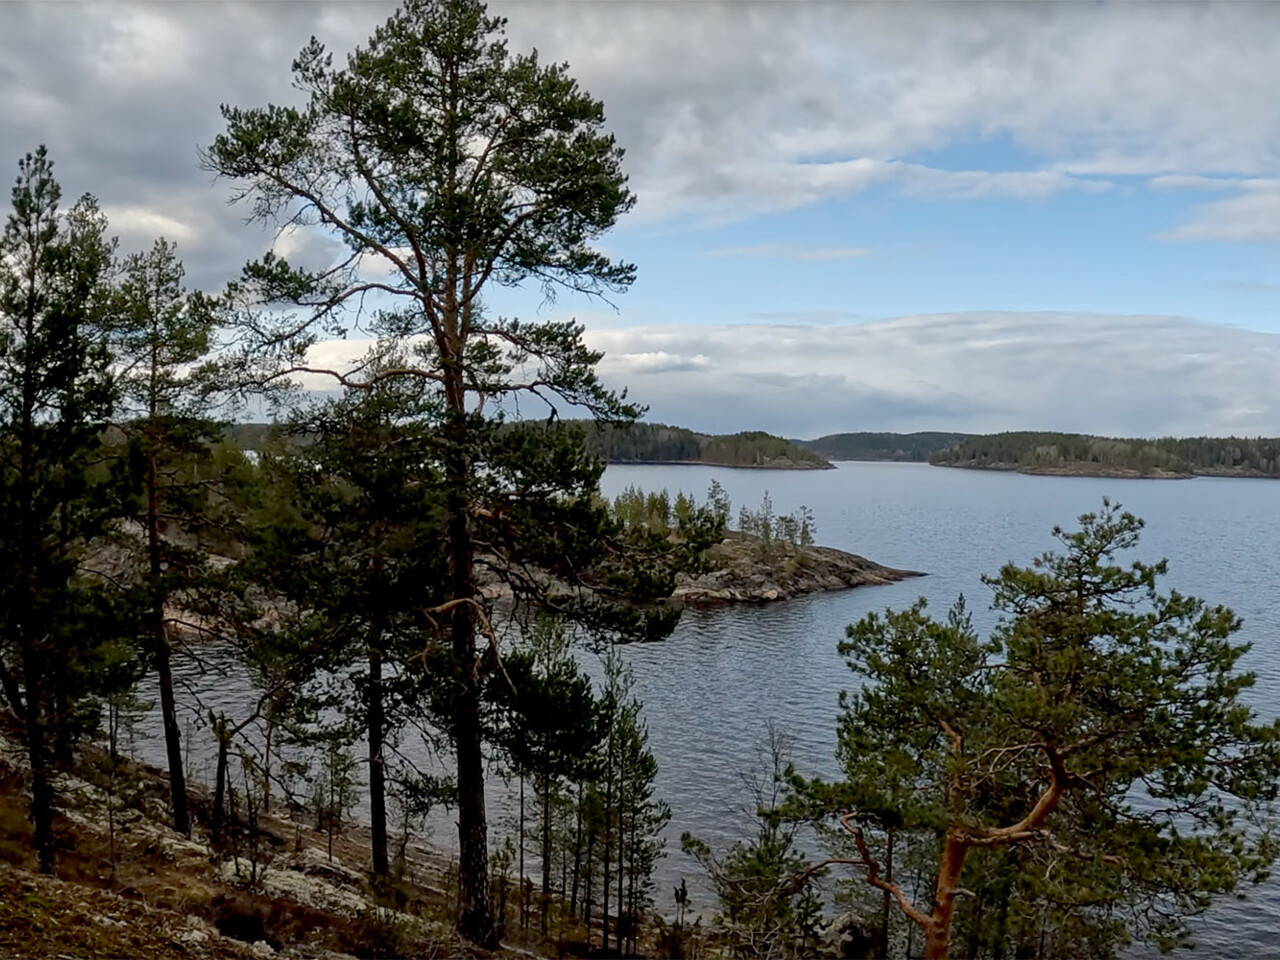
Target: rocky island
(747,569)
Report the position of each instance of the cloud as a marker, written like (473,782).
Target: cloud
(725,109)
(1251,217)
(774,105)
(789,251)
(1128,375)
(659,361)
(734,189)
(1196,182)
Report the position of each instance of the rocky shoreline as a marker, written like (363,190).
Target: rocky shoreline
(745,569)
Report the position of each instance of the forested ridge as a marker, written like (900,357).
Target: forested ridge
(1068,453)
(916,447)
(633,443)
(1082,453)
(660,443)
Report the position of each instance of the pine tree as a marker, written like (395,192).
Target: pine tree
(56,395)
(548,728)
(347,551)
(633,818)
(160,337)
(1088,773)
(454,166)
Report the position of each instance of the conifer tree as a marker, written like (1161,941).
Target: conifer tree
(1089,772)
(161,335)
(549,729)
(56,395)
(349,556)
(452,166)
(632,816)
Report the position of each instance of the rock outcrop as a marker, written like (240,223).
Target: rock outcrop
(745,569)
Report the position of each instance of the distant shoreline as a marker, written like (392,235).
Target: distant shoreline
(1076,470)
(1047,453)
(775,465)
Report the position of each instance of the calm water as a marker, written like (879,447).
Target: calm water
(710,690)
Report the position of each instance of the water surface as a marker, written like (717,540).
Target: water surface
(712,687)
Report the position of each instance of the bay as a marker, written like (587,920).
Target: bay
(711,689)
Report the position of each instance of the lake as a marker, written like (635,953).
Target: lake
(712,688)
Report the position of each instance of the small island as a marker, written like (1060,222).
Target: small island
(756,555)
(747,569)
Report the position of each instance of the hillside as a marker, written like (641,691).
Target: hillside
(660,443)
(915,447)
(648,443)
(1085,455)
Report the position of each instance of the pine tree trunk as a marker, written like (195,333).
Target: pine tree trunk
(524,906)
(160,638)
(937,932)
(577,856)
(546,850)
(219,779)
(587,886)
(606,877)
(41,789)
(475,916)
(621,860)
(172,735)
(887,904)
(377,772)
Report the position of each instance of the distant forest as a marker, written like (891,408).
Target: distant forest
(649,443)
(1024,451)
(917,447)
(660,443)
(1081,453)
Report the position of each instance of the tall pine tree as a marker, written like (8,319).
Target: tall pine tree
(452,166)
(56,397)
(161,335)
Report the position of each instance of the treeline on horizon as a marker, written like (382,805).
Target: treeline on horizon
(660,443)
(1192,456)
(629,443)
(914,447)
(1034,450)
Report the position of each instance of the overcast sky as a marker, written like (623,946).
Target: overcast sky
(851,215)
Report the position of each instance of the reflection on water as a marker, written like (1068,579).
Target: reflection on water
(711,688)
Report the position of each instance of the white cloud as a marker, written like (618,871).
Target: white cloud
(726,109)
(1129,375)
(1180,181)
(1253,216)
(765,106)
(139,225)
(734,189)
(659,361)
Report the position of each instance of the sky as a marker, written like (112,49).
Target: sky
(850,216)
